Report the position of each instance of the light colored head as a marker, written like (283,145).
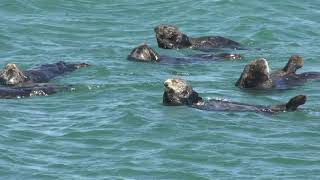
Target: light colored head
(144,53)
(170,37)
(176,92)
(255,75)
(295,62)
(12,75)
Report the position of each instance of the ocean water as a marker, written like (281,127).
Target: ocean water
(114,126)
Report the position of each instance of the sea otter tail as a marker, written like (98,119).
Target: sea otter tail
(295,102)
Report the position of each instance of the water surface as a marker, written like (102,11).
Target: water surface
(113,126)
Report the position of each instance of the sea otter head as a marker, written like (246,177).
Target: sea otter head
(144,53)
(170,37)
(255,75)
(179,92)
(295,62)
(12,75)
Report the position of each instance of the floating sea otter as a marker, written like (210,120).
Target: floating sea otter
(33,82)
(13,76)
(256,75)
(179,92)
(145,53)
(34,90)
(170,37)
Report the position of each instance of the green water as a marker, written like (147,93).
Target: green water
(113,126)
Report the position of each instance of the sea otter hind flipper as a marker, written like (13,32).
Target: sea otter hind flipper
(295,102)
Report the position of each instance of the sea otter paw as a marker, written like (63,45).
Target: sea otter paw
(295,102)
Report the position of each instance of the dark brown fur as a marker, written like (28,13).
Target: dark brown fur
(145,53)
(13,76)
(256,75)
(179,92)
(170,37)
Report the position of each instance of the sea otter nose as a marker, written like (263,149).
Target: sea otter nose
(166,84)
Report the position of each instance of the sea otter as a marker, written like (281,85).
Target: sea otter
(146,54)
(38,89)
(13,76)
(179,92)
(170,37)
(256,75)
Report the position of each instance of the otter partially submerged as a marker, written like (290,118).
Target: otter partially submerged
(256,75)
(170,37)
(34,90)
(179,92)
(33,82)
(13,76)
(145,53)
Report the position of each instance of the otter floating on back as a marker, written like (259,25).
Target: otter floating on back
(41,89)
(146,54)
(11,75)
(256,75)
(170,37)
(179,92)
(33,82)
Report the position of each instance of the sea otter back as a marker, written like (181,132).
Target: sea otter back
(7,92)
(31,90)
(46,72)
(287,81)
(212,42)
(309,75)
(221,105)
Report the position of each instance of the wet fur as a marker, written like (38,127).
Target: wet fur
(256,75)
(170,37)
(13,76)
(34,90)
(145,53)
(179,92)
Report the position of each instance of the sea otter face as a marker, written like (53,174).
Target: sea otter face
(255,75)
(176,92)
(144,53)
(11,75)
(170,37)
(295,62)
